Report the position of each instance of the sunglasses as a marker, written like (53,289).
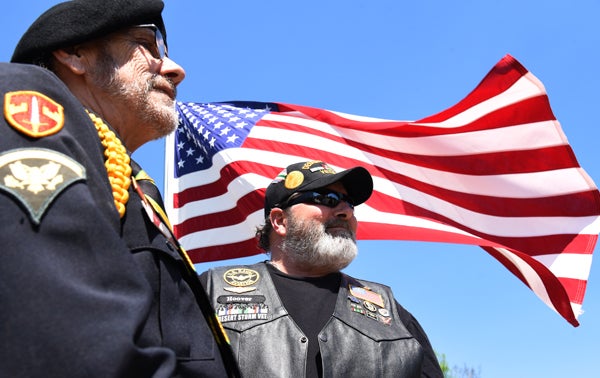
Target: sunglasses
(326,198)
(159,51)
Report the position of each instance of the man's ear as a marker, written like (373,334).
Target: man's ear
(71,59)
(278,221)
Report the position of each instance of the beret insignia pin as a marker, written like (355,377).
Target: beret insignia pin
(33,113)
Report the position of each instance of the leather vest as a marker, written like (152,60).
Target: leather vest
(355,342)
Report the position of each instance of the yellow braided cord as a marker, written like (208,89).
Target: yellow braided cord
(187,258)
(117,163)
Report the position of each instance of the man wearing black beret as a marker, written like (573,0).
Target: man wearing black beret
(93,283)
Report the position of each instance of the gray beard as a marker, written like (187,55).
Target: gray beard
(162,120)
(309,246)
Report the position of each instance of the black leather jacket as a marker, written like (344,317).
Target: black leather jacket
(268,343)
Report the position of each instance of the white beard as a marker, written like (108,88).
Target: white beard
(309,246)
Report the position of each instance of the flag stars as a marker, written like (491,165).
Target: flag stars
(232,138)
(206,129)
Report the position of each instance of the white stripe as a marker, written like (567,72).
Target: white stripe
(577,309)
(568,265)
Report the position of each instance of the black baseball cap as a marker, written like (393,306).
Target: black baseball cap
(77,21)
(315,174)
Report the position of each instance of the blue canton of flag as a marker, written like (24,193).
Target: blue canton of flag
(205,129)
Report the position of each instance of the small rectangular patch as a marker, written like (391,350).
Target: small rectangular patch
(241,299)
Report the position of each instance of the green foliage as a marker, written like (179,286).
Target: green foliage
(443,364)
(455,371)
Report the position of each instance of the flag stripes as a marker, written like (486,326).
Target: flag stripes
(495,170)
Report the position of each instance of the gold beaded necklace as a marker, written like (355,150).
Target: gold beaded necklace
(117,163)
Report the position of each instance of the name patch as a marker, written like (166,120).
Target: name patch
(241,299)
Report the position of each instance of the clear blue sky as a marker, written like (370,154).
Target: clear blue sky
(407,60)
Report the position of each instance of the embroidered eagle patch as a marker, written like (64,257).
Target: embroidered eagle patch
(35,176)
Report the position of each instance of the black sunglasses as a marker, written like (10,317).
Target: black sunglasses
(326,198)
(159,50)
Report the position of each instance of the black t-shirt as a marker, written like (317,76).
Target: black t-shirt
(310,301)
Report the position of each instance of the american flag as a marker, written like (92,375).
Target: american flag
(495,170)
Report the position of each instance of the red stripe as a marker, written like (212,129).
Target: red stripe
(504,74)
(223,252)
(567,205)
(575,288)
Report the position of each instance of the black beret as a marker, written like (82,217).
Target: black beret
(72,22)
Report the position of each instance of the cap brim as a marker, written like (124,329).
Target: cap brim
(357,181)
